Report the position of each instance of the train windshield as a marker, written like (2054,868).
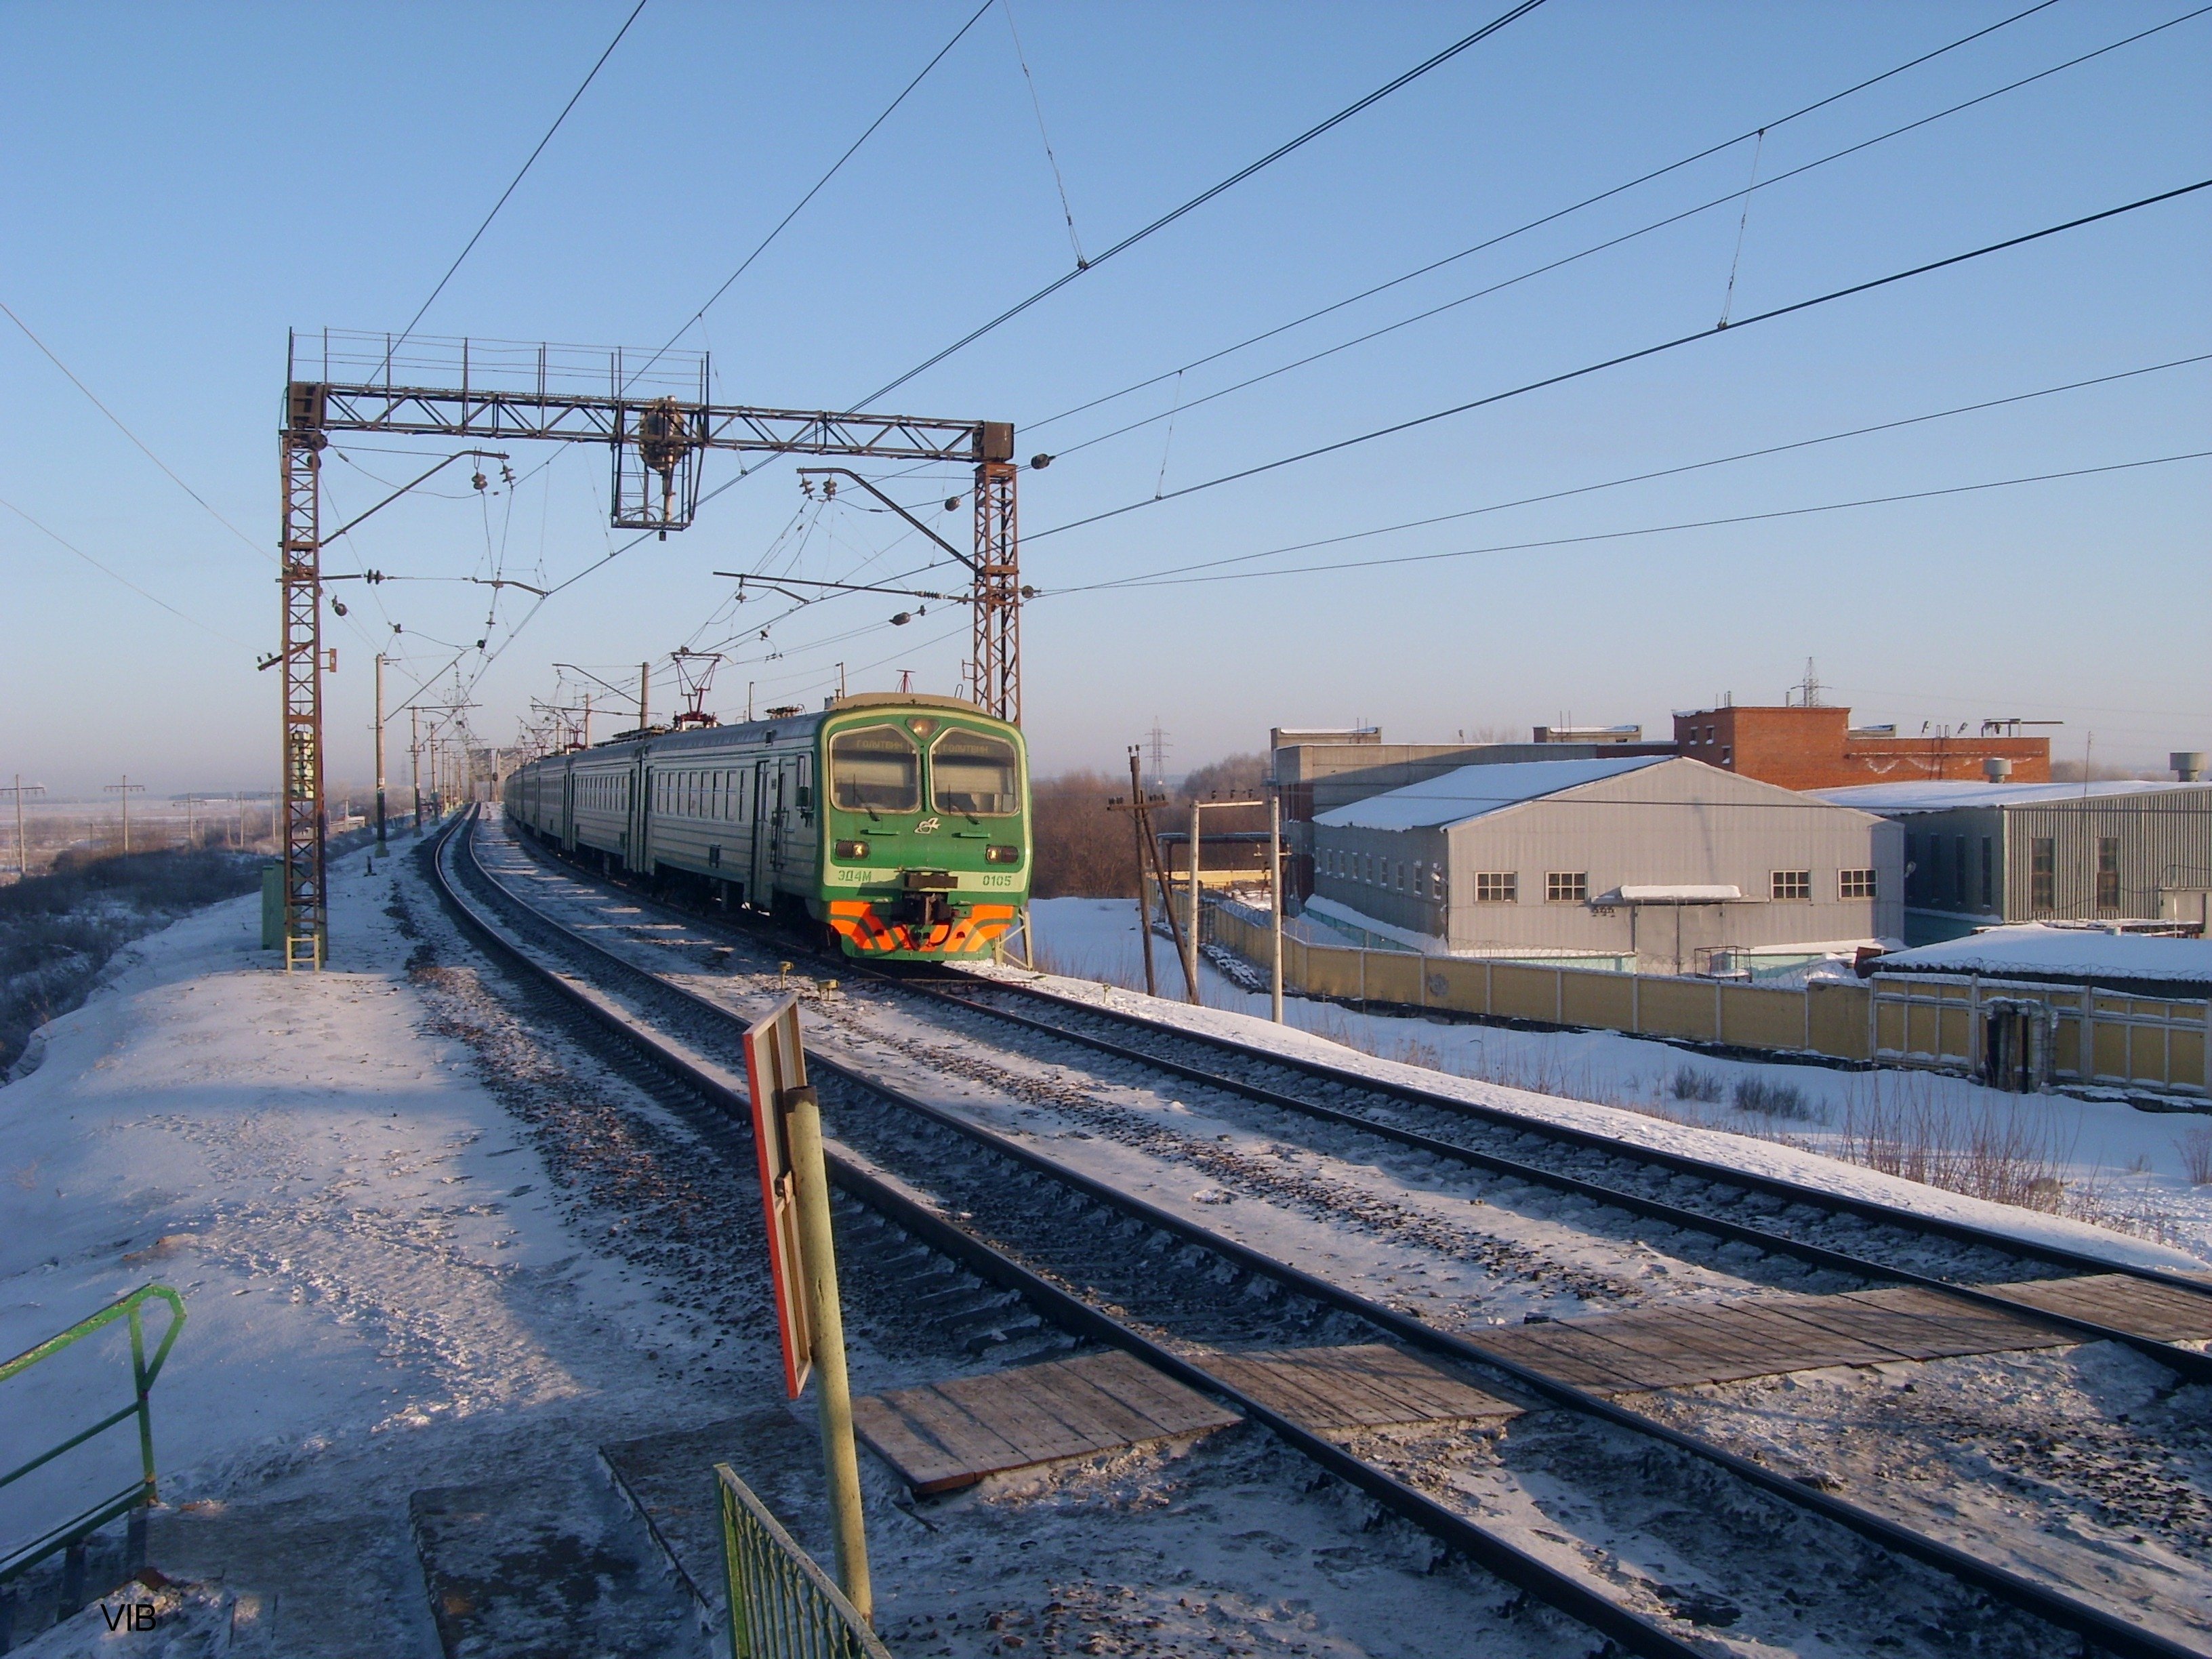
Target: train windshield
(875,768)
(975,773)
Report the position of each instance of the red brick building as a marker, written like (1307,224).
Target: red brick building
(1818,748)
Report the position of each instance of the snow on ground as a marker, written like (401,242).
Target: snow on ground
(2101,1162)
(424,1244)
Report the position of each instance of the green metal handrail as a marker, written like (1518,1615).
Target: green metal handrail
(782,1605)
(141,1492)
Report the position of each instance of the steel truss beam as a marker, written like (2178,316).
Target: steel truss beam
(649,436)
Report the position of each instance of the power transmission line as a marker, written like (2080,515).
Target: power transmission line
(1632,357)
(1610,242)
(1676,471)
(513,182)
(746,263)
(117,421)
(1173,579)
(1206,196)
(1558,213)
(119,576)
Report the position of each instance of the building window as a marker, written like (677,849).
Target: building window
(1959,874)
(1400,883)
(1438,887)
(1566,887)
(1728,754)
(2042,873)
(2108,872)
(1497,887)
(1855,884)
(1790,884)
(1989,872)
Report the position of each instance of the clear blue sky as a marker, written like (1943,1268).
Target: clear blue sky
(183,184)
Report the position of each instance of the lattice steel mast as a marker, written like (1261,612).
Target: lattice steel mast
(656,435)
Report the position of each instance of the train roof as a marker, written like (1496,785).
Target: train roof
(664,742)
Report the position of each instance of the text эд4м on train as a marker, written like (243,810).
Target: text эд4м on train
(919,846)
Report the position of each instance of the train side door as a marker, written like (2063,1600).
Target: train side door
(767,848)
(568,807)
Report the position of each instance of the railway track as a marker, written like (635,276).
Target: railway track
(1115,1269)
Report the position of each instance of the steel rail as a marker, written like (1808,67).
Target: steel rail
(2103,1629)
(1773,1186)
(2185,1362)
(1568,1595)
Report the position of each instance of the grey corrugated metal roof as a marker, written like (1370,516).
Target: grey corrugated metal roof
(1932,795)
(1473,792)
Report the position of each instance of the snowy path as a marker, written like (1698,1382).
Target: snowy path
(425,1243)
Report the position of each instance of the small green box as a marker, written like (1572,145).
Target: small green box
(272,908)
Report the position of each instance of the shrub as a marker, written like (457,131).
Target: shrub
(1771,1099)
(1691,1083)
(58,930)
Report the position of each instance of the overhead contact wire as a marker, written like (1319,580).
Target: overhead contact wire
(1633,356)
(1206,196)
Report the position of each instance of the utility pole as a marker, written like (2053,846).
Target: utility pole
(587,720)
(1275,902)
(644,687)
(125,790)
(1190,929)
(1139,806)
(380,660)
(19,789)
(1144,899)
(415,755)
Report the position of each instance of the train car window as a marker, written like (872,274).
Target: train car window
(875,768)
(975,773)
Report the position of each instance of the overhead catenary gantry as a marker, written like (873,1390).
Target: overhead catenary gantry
(654,414)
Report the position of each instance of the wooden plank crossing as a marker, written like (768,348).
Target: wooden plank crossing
(1369,1386)
(952,1434)
(1682,1346)
(2164,1313)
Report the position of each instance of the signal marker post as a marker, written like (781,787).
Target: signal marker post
(803,1265)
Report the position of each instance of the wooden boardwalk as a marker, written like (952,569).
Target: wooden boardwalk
(1679,1346)
(952,1434)
(1369,1387)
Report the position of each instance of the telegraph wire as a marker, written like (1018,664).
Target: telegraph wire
(1610,242)
(746,263)
(1633,356)
(1206,196)
(117,422)
(118,575)
(513,182)
(1172,579)
(1691,466)
(1560,213)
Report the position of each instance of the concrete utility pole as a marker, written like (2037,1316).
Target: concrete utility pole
(1190,930)
(125,790)
(1275,902)
(380,660)
(415,757)
(1144,899)
(645,688)
(19,789)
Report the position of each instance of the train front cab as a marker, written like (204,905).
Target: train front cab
(926,832)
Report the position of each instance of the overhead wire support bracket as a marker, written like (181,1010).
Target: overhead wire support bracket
(658,422)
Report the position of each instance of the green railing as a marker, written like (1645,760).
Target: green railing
(140,1493)
(782,1605)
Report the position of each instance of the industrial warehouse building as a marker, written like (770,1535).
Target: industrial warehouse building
(1981,853)
(1655,862)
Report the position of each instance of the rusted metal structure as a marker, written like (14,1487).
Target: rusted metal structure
(657,418)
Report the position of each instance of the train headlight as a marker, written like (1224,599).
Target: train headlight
(851,849)
(1002,855)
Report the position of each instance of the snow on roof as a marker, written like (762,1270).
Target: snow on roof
(1473,792)
(2085,954)
(1930,795)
